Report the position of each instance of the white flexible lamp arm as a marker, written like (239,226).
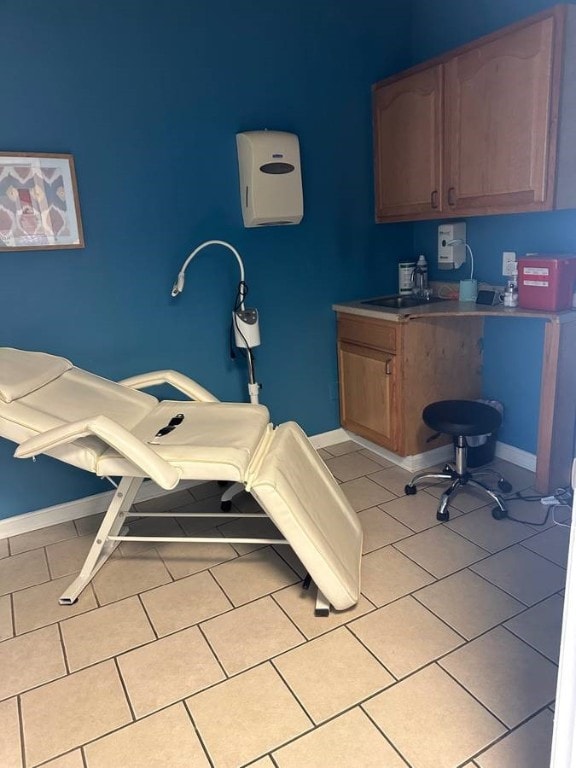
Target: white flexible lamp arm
(178,286)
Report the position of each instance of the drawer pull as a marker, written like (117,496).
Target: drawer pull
(452,196)
(434,199)
(388,368)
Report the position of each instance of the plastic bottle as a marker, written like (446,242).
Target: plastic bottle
(510,296)
(420,279)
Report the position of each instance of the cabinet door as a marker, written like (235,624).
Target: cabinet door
(407,145)
(368,393)
(499,146)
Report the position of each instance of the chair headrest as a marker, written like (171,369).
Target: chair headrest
(23,372)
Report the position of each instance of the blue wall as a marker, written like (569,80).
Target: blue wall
(148,98)
(512,358)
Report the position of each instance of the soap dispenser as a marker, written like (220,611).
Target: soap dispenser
(420,276)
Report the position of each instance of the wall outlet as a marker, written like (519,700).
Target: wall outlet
(509,264)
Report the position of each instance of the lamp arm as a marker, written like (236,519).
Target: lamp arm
(460,241)
(178,286)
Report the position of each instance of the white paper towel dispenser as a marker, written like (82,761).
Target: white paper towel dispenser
(270,178)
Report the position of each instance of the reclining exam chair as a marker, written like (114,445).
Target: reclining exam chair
(48,406)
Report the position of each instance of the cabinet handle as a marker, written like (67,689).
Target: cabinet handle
(434,199)
(451,196)
(388,368)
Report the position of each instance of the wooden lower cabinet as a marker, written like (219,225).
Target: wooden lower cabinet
(368,393)
(389,371)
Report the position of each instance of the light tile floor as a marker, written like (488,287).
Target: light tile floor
(199,656)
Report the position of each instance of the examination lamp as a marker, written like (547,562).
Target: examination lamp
(244,321)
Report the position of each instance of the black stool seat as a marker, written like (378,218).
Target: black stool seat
(462,417)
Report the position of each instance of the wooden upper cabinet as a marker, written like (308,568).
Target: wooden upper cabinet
(499,142)
(408,144)
(502,140)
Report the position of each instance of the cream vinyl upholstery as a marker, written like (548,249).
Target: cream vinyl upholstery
(48,406)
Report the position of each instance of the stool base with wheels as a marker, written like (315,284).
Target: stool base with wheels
(461,419)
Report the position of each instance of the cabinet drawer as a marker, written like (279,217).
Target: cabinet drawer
(377,334)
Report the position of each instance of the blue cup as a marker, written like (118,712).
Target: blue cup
(468,290)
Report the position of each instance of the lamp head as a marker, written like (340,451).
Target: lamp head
(178,286)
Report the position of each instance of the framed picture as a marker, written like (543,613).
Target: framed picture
(38,202)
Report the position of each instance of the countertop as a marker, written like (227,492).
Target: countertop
(449,308)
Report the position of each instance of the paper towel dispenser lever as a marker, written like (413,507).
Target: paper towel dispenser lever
(270,178)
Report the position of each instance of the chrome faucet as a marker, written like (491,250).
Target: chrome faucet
(419,281)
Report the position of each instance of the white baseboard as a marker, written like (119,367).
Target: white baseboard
(92,505)
(331,438)
(444,453)
(410,463)
(516,456)
(72,510)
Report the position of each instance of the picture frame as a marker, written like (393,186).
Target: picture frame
(39,207)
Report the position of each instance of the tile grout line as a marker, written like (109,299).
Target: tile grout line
(125,690)
(522,640)
(476,699)
(383,734)
(544,557)
(12,616)
(198,734)
(148,618)
(63,649)
(21,729)
(213,652)
(508,733)
(113,730)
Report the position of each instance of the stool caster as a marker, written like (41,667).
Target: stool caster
(410,490)
(225,506)
(443,517)
(499,514)
(504,485)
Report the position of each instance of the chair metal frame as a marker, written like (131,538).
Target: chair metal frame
(460,476)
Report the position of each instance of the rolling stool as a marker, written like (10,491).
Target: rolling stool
(461,419)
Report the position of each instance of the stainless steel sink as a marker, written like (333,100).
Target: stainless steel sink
(402,302)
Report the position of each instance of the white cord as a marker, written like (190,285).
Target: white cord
(459,241)
(471,260)
(557,522)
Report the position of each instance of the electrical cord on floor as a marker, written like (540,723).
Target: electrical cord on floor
(562,495)
(563,523)
(519,497)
